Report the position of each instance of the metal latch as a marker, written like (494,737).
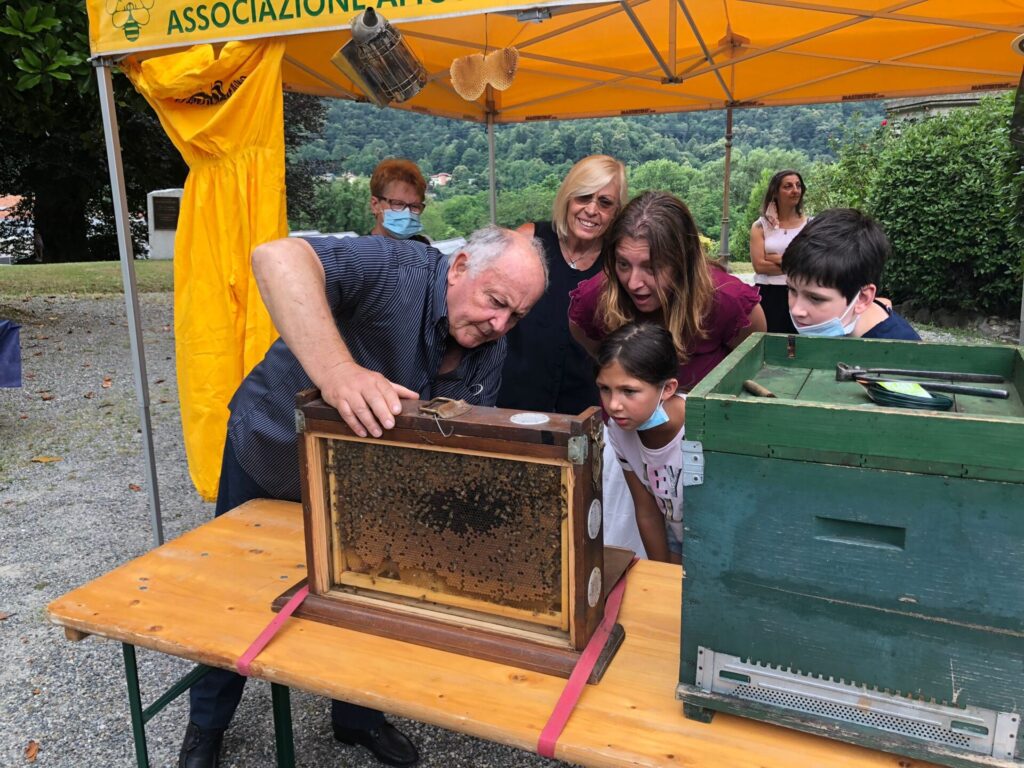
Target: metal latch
(578,448)
(445,407)
(693,462)
(300,421)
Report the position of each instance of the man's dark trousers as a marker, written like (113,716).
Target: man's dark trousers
(214,698)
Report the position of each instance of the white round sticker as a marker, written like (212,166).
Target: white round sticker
(594,519)
(530,418)
(594,587)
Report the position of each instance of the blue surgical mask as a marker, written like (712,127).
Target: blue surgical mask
(659,417)
(402,224)
(833,327)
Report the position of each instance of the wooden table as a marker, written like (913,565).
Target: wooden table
(207,594)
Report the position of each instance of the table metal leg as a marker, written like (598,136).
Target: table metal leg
(131,673)
(142,716)
(281,697)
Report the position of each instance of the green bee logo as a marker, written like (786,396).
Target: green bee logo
(130,16)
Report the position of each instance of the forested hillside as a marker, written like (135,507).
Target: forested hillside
(356,136)
(915,177)
(683,153)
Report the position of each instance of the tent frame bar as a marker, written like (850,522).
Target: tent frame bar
(703,46)
(112,137)
(655,54)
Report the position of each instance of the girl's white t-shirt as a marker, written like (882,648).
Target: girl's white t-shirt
(659,469)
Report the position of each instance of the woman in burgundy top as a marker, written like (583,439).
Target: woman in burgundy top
(655,270)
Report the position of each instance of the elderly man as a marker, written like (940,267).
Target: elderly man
(368,321)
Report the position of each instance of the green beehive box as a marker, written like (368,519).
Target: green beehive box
(855,570)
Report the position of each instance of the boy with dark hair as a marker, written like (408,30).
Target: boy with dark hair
(832,269)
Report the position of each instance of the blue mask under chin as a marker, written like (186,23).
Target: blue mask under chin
(833,327)
(402,224)
(659,417)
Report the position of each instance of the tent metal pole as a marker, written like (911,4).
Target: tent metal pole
(131,292)
(723,251)
(493,176)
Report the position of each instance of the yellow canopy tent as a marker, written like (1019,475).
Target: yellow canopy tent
(582,59)
(586,59)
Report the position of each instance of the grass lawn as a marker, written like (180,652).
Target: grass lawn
(740,267)
(89,277)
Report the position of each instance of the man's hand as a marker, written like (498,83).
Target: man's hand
(365,399)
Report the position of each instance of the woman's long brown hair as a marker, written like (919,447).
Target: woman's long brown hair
(664,222)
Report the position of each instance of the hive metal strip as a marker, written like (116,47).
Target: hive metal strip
(693,462)
(983,731)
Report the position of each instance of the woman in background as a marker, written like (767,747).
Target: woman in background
(781,219)
(397,198)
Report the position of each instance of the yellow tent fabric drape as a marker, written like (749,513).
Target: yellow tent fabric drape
(225,115)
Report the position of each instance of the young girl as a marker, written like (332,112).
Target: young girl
(637,380)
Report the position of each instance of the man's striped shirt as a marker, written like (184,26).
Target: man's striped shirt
(389,300)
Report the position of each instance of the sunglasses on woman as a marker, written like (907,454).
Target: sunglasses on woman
(604,202)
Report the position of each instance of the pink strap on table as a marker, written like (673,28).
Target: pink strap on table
(244,663)
(581,672)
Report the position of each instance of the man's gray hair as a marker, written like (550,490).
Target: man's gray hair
(487,244)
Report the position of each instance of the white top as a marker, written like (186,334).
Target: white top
(776,240)
(659,469)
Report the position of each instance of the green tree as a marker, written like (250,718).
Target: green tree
(664,175)
(522,205)
(1017,141)
(343,206)
(475,161)
(303,123)
(846,183)
(519,174)
(944,191)
(465,213)
(52,149)
(434,225)
(743,218)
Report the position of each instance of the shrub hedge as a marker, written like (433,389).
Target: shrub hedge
(948,191)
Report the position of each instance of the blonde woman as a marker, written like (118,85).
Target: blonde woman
(545,370)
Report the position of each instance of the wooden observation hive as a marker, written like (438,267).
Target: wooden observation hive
(478,533)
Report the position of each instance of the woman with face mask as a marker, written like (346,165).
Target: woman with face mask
(655,271)
(397,191)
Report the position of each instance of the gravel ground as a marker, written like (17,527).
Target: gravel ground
(67,521)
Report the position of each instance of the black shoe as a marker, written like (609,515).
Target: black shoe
(201,748)
(388,744)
